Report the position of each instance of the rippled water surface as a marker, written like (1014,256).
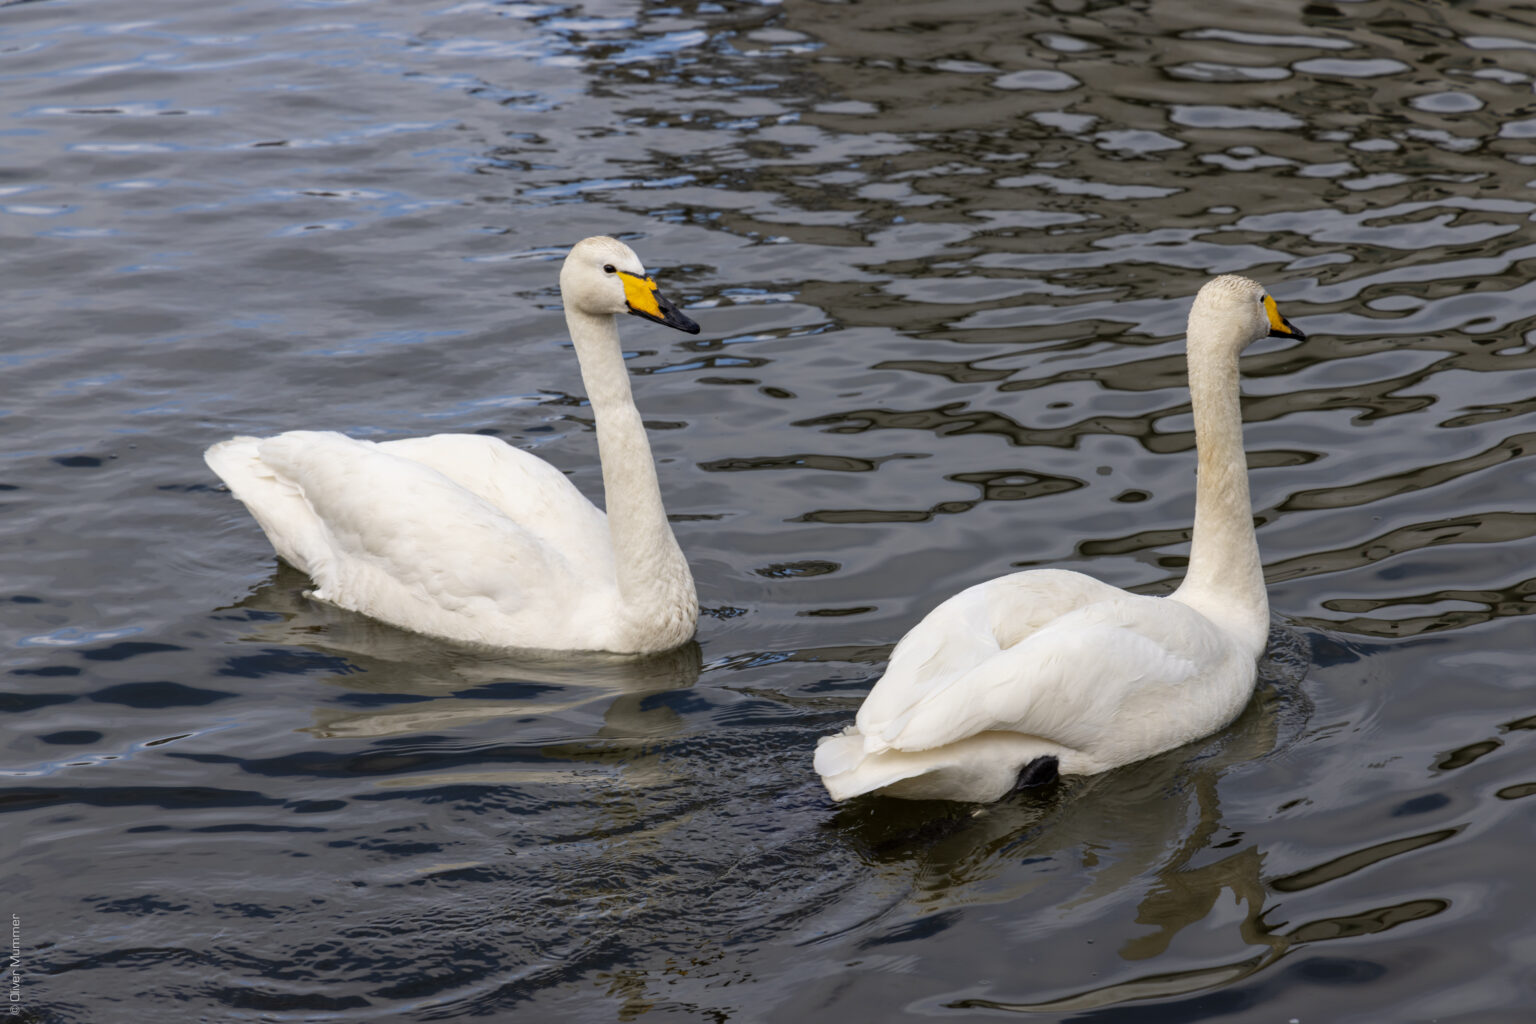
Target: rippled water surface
(942,253)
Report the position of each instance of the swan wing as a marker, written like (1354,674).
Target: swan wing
(398,539)
(1092,677)
(528,490)
(970,629)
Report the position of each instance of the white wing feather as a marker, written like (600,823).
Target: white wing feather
(1038,663)
(442,552)
(528,490)
(973,626)
(1066,683)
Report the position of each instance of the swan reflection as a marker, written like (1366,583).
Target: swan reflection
(545,697)
(1057,857)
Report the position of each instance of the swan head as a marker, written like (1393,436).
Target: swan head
(603,277)
(1237,311)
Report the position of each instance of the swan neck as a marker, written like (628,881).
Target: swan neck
(655,586)
(1225,580)
(601,358)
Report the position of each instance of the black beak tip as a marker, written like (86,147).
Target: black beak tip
(1291,331)
(670,317)
(674,317)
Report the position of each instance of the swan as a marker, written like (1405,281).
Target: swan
(1048,672)
(464,537)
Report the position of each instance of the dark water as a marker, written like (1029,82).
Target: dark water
(942,253)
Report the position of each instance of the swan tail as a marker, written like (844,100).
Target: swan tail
(278,506)
(848,771)
(977,769)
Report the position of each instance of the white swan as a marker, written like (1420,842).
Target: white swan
(1050,670)
(465,537)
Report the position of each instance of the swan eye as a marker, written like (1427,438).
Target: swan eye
(608,268)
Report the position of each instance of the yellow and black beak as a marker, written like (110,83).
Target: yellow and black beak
(1279,326)
(643,299)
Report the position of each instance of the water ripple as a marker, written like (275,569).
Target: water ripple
(942,254)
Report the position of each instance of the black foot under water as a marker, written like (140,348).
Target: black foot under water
(1039,772)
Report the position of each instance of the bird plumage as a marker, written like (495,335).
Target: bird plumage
(463,536)
(1056,664)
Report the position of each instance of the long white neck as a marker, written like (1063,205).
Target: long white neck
(660,608)
(1225,580)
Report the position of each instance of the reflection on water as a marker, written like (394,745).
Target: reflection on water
(942,253)
(1166,814)
(411,685)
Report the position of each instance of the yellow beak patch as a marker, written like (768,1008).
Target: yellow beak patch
(640,293)
(1279,325)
